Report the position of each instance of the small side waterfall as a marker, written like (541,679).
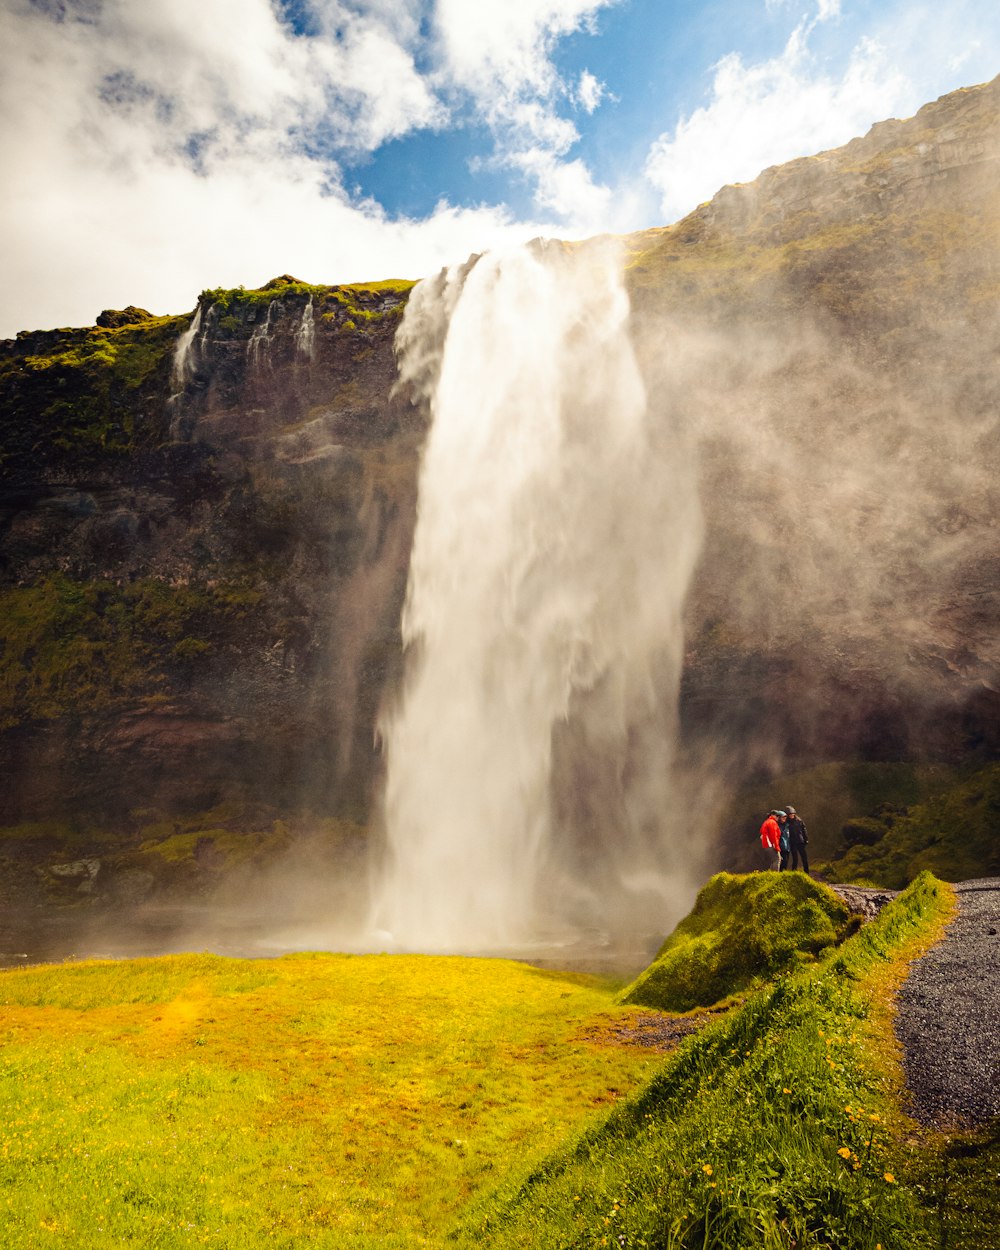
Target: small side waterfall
(305,340)
(185,354)
(188,354)
(259,343)
(554,545)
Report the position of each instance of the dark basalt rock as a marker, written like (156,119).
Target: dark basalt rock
(115,318)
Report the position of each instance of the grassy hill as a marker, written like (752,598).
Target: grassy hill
(404,1101)
(741,930)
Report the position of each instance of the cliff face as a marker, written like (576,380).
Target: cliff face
(205,521)
(829,335)
(203,557)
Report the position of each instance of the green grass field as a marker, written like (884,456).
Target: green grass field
(310,1100)
(405,1101)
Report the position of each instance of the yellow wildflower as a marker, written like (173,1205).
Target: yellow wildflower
(707,1169)
(889,1178)
(844,1152)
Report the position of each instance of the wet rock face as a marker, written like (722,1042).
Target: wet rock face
(233,578)
(819,338)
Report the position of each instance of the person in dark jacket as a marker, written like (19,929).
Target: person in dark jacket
(784,846)
(797,838)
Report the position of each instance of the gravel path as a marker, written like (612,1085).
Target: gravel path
(948,1018)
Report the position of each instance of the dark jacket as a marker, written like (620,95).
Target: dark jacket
(796,831)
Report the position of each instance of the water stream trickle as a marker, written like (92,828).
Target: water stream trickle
(259,343)
(188,353)
(305,340)
(554,544)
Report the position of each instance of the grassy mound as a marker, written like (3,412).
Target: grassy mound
(776,1126)
(742,929)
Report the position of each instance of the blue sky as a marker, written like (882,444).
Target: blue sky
(155,147)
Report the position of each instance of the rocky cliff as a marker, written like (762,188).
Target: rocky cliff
(831,331)
(205,533)
(205,520)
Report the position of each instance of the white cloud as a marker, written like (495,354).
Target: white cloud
(589,92)
(152,149)
(501,54)
(502,50)
(568,189)
(760,115)
(149,153)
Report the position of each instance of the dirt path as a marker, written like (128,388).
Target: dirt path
(948,1019)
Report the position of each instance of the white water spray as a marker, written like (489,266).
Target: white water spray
(305,340)
(554,544)
(187,354)
(259,343)
(182,365)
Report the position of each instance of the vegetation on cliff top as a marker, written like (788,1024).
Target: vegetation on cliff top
(843,229)
(96,390)
(741,930)
(347,305)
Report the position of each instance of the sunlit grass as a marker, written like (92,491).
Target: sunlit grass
(325,1100)
(777,1127)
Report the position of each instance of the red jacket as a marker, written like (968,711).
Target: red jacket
(770,834)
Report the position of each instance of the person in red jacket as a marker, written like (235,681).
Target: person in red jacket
(770,838)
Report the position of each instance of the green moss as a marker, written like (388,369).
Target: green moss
(87,390)
(871,271)
(742,929)
(332,302)
(228,848)
(70,647)
(954,833)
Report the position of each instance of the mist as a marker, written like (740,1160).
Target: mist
(696,511)
(788,504)
(554,545)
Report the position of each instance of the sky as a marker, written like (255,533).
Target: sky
(154,148)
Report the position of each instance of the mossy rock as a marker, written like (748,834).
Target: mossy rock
(954,833)
(742,929)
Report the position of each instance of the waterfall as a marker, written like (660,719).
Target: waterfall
(258,345)
(305,339)
(185,354)
(555,539)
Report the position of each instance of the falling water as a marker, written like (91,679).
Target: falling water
(184,353)
(305,339)
(187,354)
(554,544)
(260,341)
